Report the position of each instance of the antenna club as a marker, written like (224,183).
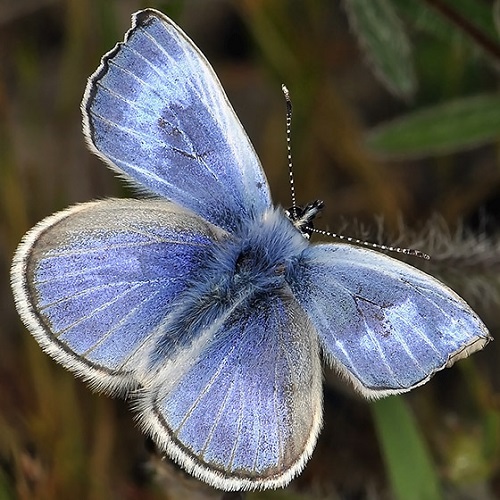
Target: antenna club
(286,93)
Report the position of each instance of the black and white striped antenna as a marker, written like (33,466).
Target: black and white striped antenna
(302,217)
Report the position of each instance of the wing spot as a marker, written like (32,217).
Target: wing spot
(170,129)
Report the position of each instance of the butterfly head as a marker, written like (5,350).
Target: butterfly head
(302,217)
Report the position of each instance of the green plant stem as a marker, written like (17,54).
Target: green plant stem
(490,46)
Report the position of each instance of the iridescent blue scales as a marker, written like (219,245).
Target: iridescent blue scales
(205,301)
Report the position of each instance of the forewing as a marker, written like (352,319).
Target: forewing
(384,324)
(245,412)
(156,112)
(96,282)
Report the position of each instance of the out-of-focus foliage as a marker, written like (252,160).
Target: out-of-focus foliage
(408,462)
(385,41)
(396,110)
(451,127)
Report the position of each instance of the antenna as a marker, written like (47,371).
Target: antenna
(377,246)
(302,217)
(286,93)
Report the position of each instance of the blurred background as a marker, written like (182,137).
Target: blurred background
(396,127)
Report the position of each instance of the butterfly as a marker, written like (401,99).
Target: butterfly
(203,302)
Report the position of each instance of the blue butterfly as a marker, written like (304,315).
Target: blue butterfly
(205,303)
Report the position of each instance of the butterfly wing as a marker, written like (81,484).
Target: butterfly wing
(245,411)
(384,324)
(96,282)
(155,111)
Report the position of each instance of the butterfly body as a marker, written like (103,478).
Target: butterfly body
(203,303)
(258,260)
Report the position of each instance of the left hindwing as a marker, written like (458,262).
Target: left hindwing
(384,324)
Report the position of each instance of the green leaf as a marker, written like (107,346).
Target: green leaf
(386,45)
(446,128)
(409,465)
(424,18)
(431,20)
